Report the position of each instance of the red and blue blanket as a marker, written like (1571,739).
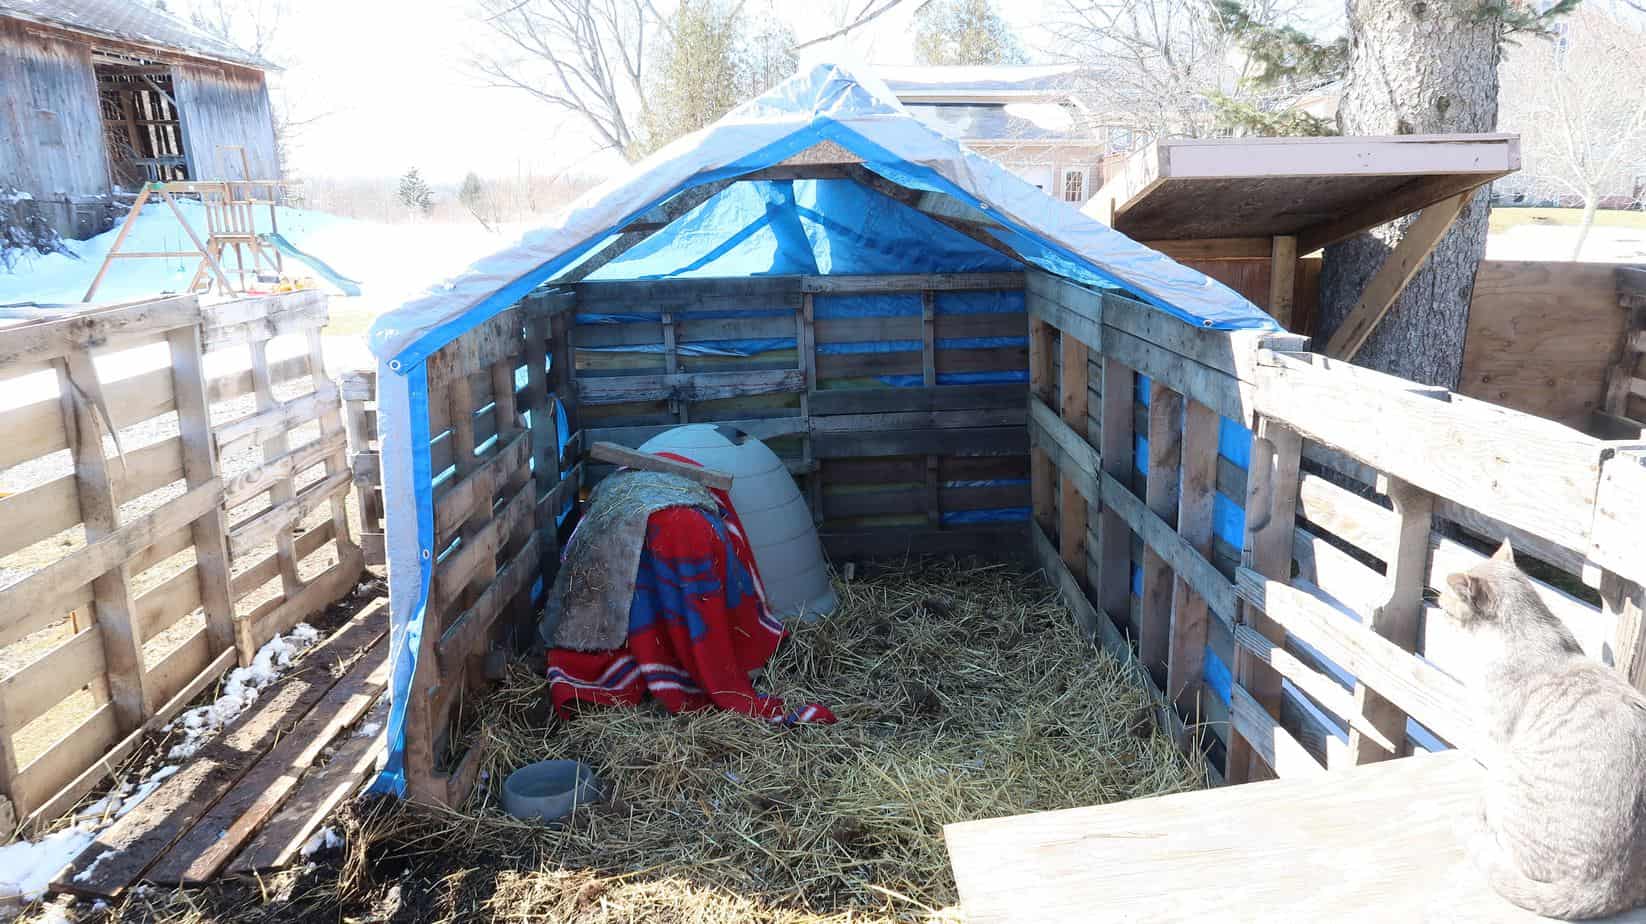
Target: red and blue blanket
(698,625)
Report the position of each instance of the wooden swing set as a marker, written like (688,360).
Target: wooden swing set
(230,223)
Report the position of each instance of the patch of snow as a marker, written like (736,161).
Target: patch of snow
(86,873)
(99,906)
(1051,117)
(52,914)
(1540,242)
(326,838)
(30,865)
(145,788)
(240,690)
(368,730)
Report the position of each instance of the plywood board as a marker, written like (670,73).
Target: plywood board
(1373,843)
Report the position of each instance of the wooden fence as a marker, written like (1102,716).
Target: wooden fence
(142,493)
(1354,492)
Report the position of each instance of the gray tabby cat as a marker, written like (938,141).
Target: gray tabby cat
(1561,829)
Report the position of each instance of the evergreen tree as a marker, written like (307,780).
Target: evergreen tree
(712,59)
(964,32)
(1284,62)
(415,194)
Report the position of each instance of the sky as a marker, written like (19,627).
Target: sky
(387,80)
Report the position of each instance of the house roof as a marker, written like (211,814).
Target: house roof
(859,118)
(1000,82)
(134,22)
(1320,190)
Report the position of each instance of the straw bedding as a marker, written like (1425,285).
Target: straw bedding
(964,691)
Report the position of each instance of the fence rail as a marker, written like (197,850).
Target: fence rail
(143,492)
(1345,493)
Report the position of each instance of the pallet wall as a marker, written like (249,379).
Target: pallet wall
(501,488)
(1358,493)
(148,496)
(895,400)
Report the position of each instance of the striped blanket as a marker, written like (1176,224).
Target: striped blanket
(698,625)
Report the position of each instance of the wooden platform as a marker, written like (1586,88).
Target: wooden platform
(1375,843)
(254,781)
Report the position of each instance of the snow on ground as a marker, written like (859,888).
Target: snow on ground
(392,262)
(27,867)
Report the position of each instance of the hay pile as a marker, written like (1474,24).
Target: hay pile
(963,692)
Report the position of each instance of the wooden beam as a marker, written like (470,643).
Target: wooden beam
(1196,507)
(1161,496)
(1282,278)
(1421,193)
(1114,552)
(1072,507)
(1043,478)
(1214,248)
(1398,269)
(650,223)
(1397,618)
(646,462)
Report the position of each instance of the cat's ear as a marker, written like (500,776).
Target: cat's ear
(1505,552)
(1470,589)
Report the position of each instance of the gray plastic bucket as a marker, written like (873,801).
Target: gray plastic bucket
(548,790)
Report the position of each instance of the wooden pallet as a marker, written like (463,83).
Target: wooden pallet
(252,776)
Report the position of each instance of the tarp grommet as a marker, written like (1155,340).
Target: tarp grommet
(427,554)
(394,364)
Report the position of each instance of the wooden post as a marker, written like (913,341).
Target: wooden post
(1397,619)
(1195,510)
(331,424)
(806,341)
(357,388)
(1114,537)
(563,370)
(1073,407)
(80,390)
(1625,601)
(1161,496)
(1042,473)
(209,532)
(545,430)
(1282,279)
(928,377)
(1271,511)
(280,492)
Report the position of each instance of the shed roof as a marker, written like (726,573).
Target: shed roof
(1319,189)
(133,22)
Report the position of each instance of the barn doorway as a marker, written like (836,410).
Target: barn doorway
(142,127)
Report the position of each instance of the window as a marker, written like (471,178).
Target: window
(1074,184)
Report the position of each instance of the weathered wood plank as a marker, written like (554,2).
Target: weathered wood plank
(1114,580)
(320,791)
(1397,615)
(1161,497)
(1426,693)
(1269,741)
(279,520)
(645,461)
(31,344)
(1527,472)
(124,850)
(911,282)
(1196,506)
(213,840)
(688,386)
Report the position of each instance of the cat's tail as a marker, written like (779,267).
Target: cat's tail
(1569,901)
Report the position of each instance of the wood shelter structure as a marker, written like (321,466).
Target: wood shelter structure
(97,95)
(1185,467)
(1244,210)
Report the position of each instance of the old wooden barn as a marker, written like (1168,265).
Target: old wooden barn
(99,96)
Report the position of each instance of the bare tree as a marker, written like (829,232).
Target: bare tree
(1155,65)
(586,57)
(870,11)
(249,24)
(1580,134)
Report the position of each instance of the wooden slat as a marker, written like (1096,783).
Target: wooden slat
(311,597)
(472,496)
(1114,547)
(321,790)
(1270,742)
(279,520)
(688,386)
(1530,473)
(1135,516)
(46,510)
(245,486)
(50,810)
(273,421)
(1334,697)
(1078,313)
(463,636)
(1398,268)
(160,606)
(1396,618)
(203,852)
(1425,692)
(1042,475)
(98,329)
(268,568)
(478,555)
(645,461)
(80,747)
(1196,508)
(200,466)
(913,282)
(1270,509)
(124,850)
(1160,496)
(47,680)
(1072,506)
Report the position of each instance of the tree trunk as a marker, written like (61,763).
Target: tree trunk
(1415,67)
(1591,202)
